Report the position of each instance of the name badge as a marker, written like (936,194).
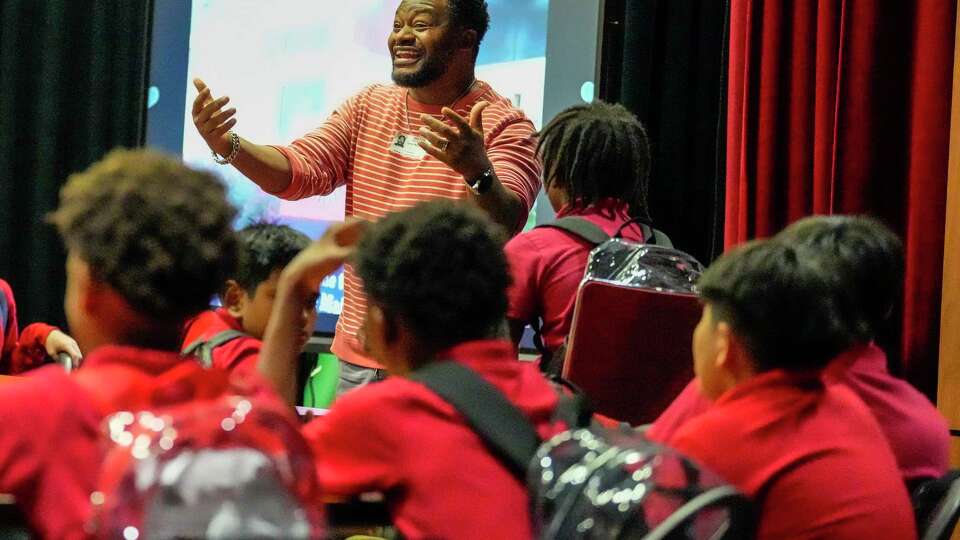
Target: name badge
(406,146)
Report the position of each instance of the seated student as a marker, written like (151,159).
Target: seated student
(436,280)
(149,241)
(247,298)
(596,167)
(22,351)
(810,455)
(865,261)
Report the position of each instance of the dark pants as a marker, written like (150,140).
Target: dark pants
(353,376)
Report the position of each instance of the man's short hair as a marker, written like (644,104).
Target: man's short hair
(470,15)
(778,304)
(264,249)
(597,151)
(438,267)
(862,257)
(156,231)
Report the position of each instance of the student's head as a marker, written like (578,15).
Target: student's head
(432,38)
(593,152)
(435,276)
(766,307)
(265,249)
(149,242)
(862,257)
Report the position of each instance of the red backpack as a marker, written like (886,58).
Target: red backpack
(193,459)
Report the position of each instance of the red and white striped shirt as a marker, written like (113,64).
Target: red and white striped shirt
(352,148)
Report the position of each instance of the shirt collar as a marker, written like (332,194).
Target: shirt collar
(609,208)
(480,351)
(151,361)
(773,381)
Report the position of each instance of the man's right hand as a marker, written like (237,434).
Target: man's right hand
(211,120)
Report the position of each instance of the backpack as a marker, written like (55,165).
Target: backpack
(652,264)
(604,484)
(191,459)
(654,493)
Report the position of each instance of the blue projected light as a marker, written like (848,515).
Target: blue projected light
(153,96)
(587,91)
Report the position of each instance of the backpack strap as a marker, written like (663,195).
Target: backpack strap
(580,228)
(660,238)
(506,431)
(202,349)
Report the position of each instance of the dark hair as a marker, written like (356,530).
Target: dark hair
(862,257)
(778,303)
(471,15)
(156,231)
(264,249)
(595,151)
(438,267)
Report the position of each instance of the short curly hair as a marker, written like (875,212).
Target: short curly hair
(470,15)
(156,231)
(439,267)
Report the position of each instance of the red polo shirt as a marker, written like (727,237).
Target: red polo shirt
(50,444)
(811,456)
(21,351)
(399,438)
(547,265)
(916,431)
(237,354)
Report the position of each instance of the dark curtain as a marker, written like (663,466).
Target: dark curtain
(665,61)
(843,106)
(72,86)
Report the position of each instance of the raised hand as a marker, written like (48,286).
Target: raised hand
(324,256)
(212,121)
(462,146)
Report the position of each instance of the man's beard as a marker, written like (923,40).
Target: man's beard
(433,68)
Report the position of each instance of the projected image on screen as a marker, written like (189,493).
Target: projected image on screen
(286,66)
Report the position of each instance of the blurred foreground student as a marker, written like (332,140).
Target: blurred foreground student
(149,242)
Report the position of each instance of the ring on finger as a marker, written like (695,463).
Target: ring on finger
(442,144)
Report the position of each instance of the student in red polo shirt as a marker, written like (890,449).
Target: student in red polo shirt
(436,280)
(866,261)
(596,167)
(149,242)
(810,455)
(22,351)
(247,298)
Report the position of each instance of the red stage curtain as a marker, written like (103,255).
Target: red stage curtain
(843,106)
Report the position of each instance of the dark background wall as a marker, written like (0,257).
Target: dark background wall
(72,86)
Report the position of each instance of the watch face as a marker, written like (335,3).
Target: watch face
(483,181)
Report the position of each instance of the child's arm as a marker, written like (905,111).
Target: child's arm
(298,281)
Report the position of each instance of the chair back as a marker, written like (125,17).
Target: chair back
(629,348)
(936,504)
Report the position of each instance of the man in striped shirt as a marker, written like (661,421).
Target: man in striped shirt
(437,133)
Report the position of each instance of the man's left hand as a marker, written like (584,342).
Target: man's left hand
(461,146)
